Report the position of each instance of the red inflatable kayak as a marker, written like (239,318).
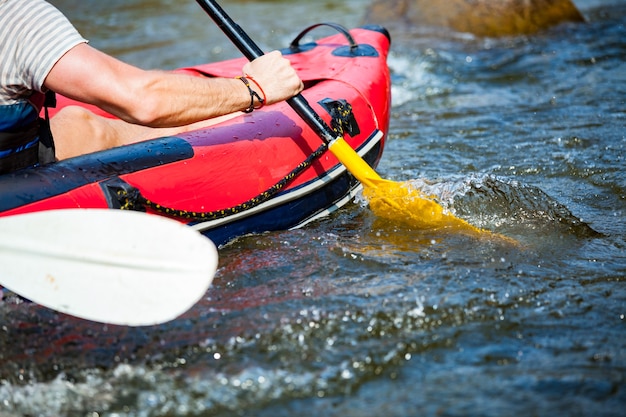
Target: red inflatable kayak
(262,171)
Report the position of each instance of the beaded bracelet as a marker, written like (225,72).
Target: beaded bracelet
(259,88)
(253,94)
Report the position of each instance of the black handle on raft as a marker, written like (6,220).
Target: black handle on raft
(251,51)
(295,44)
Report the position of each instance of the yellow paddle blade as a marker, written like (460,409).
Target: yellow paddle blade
(396,201)
(402,203)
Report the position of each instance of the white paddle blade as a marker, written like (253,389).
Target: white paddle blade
(110,266)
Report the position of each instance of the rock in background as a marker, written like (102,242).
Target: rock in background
(479,17)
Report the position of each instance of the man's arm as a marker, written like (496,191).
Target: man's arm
(165,99)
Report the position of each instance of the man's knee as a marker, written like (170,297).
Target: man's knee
(77,131)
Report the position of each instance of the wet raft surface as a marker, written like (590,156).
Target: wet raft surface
(355,315)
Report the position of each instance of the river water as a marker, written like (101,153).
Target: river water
(359,316)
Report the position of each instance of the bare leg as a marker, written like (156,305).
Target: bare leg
(78,131)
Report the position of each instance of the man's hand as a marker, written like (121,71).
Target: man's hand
(275,76)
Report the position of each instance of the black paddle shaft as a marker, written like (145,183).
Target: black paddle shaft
(251,51)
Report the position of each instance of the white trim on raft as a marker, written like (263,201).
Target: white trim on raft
(353,192)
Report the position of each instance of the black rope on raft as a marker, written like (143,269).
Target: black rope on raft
(132,200)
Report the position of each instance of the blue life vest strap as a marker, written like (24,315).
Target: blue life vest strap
(28,145)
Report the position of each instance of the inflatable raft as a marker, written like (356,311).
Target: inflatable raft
(262,171)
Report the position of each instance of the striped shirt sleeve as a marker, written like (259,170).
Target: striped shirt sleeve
(35,35)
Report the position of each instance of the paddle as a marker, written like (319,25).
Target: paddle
(111,266)
(388,199)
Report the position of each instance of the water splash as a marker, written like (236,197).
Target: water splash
(477,205)
(503,205)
